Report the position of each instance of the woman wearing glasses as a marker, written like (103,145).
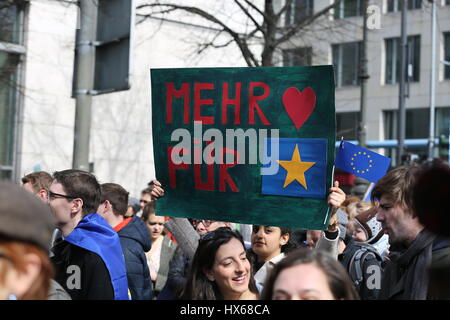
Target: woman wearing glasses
(220,269)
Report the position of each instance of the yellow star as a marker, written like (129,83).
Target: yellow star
(296,169)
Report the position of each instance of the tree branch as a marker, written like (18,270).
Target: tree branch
(285,7)
(256,8)
(258,26)
(241,43)
(305,23)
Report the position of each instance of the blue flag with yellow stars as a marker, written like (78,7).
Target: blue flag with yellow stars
(361,162)
(302,168)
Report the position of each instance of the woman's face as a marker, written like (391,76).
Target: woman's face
(302,282)
(231,270)
(18,282)
(267,242)
(155,226)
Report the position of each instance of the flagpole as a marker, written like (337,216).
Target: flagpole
(332,184)
(369,189)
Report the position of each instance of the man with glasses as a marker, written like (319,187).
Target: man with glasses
(88,260)
(144,200)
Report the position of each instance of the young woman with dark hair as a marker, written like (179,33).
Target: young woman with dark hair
(220,269)
(309,275)
(269,246)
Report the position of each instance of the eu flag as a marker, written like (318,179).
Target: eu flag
(302,168)
(361,162)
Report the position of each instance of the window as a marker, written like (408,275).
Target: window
(393,51)
(10,54)
(396,5)
(417,126)
(447,54)
(346,60)
(297,57)
(349,8)
(347,125)
(9,22)
(298,11)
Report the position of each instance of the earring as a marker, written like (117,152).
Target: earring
(12,297)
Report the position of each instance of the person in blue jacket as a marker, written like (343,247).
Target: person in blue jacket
(134,238)
(88,259)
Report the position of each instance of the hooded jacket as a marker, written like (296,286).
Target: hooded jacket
(135,241)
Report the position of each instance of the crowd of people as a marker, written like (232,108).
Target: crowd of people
(66,236)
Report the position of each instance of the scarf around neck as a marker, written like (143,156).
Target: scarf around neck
(408,270)
(94,234)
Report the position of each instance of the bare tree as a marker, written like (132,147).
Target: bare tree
(264,26)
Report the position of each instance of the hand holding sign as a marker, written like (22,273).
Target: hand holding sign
(157,190)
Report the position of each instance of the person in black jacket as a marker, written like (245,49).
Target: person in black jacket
(414,249)
(134,238)
(88,260)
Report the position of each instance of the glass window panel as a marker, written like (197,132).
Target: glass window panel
(9,22)
(391,48)
(5,174)
(349,8)
(297,57)
(393,51)
(350,61)
(442,121)
(347,125)
(8,76)
(298,11)
(391,5)
(397,5)
(414,56)
(447,54)
(345,57)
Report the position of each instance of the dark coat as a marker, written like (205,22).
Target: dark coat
(82,273)
(135,241)
(176,280)
(401,280)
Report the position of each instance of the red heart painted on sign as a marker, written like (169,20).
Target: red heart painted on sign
(299,105)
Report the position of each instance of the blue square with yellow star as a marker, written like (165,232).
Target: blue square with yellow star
(297,169)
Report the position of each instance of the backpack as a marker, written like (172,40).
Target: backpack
(354,259)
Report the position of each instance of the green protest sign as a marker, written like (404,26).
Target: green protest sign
(246,145)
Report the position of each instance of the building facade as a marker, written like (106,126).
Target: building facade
(37,111)
(340,45)
(37,46)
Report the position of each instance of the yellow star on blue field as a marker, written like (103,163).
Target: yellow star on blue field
(296,169)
